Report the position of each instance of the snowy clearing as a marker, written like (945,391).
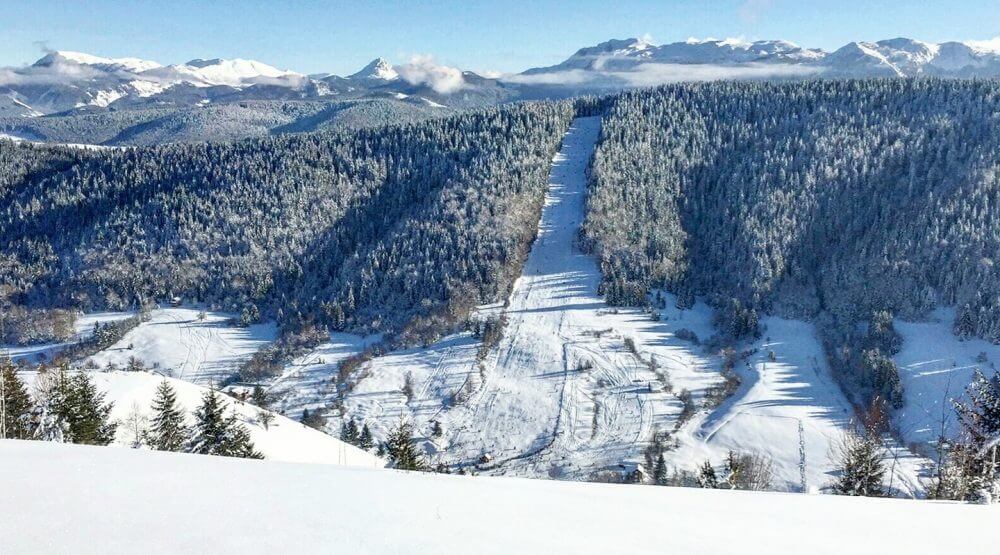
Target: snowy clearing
(169,503)
(84,330)
(935,366)
(177,343)
(788,408)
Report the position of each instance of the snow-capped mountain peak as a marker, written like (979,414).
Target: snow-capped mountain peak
(63,57)
(237,71)
(378,69)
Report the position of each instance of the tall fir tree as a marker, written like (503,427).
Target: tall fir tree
(217,434)
(15,402)
(167,431)
(402,450)
(979,454)
(707,477)
(365,440)
(861,464)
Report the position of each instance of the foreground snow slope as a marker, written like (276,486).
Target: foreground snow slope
(282,440)
(75,499)
(176,342)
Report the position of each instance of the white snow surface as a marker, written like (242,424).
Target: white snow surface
(283,439)
(84,330)
(78,499)
(178,344)
(935,366)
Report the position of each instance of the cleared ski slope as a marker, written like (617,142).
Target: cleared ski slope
(560,395)
(77,499)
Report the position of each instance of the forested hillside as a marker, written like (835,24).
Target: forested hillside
(836,200)
(362,230)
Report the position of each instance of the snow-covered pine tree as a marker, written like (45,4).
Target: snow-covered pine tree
(210,426)
(980,453)
(259,397)
(217,434)
(349,432)
(15,403)
(365,440)
(80,409)
(660,471)
(167,431)
(861,464)
(401,448)
(707,477)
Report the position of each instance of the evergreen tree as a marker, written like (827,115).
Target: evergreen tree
(81,410)
(167,432)
(707,477)
(15,403)
(365,441)
(660,471)
(402,450)
(861,464)
(979,456)
(349,432)
(217,434)
(259,397)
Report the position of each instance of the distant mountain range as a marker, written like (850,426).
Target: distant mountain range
(74,84)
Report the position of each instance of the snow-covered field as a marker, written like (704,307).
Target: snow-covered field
(935,366)
(788,408)
(84,330)
(177,343)
(282,440)
(96,500)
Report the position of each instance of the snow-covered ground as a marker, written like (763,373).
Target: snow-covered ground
(935,366)
(77,499)
(282,440)
(789,409)
(84,330)
(177,343)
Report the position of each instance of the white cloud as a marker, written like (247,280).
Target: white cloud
(652,74)
(423,70)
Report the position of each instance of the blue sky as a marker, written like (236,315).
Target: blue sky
(508,35)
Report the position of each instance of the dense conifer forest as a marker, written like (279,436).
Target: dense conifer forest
(845,202)
(368,230)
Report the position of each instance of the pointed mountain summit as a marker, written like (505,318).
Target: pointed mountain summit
(378,69)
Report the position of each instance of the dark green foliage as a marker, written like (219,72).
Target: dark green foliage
(218,434)
(660,471)
(707,477)
(365,440)
(313,419)
(861,464)
(349,432)
(16,404)
(80,409)
(401,449)
(167,430)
